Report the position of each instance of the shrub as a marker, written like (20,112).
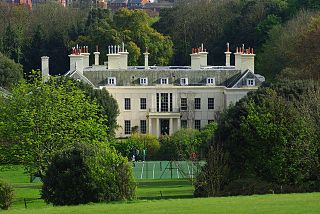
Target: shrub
(138,142)
(85,174)
(212,178)
(6,195)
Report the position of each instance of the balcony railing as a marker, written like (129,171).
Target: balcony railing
(174,110)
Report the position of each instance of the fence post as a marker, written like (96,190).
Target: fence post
(25,203)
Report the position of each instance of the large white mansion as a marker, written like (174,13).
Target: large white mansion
(161,100)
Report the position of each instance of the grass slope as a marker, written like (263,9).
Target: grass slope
(176,198)
(287,203)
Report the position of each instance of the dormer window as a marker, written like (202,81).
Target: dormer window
(184,81)
(211,81)
(164,81)
(143,81)
(251,82)
(112,81)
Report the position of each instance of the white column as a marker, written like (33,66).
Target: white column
(96,58)
(179,123)
(150,126)
(159,102)
(170,126)
(158,127)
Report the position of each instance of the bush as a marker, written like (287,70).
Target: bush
(212,178)
(85,174)
(6,195)
(137,142)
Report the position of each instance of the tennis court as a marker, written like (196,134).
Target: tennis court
(165,169)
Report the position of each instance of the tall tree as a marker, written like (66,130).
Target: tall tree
(10,72)
(40,119)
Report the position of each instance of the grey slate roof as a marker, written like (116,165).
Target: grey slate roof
(98,75)
(224,76)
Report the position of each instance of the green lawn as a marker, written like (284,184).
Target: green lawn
(287,203)
(162,196)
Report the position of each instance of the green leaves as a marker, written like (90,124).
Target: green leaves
(39,119)
(272,135)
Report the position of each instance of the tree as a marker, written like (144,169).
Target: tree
(110,108)
(140,142)
(10,72)
(12,43)
(86,173)
(268,137)
(132,28)
(279,57)
(39,119)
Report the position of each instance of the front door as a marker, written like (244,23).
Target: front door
(164,126)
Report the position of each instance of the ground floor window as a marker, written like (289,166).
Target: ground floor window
(184,124)
(143,126)
(197,124)
(127,127)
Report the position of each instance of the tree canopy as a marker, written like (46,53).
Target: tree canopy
(39,119)
(10,72)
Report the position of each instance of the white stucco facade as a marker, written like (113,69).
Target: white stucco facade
(161,100)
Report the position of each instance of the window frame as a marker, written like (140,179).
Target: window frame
(185,79)
(211,81)
(197,106)
(251,82)
(113,79)
(210,104)
(166,79)
(143,126)
(184,107)
(127,105)
(196,124)
(143,104)
(182,124)
(127,130)
(143,80)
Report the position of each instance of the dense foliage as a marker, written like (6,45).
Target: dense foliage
(85,173)
(25,35)
(215,23)
(6,195)
(142,146)
(132,28)
(41,118)
(272,136)
(10,72)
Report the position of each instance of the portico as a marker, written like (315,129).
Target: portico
(161,123)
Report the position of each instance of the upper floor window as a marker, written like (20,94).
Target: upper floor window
(143,81)
(210,103)
(197,103)
(211,81)
(184,81)
(127,104)
(164,81)
(251,82)
(143,103)
(184,104)
(112,81)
